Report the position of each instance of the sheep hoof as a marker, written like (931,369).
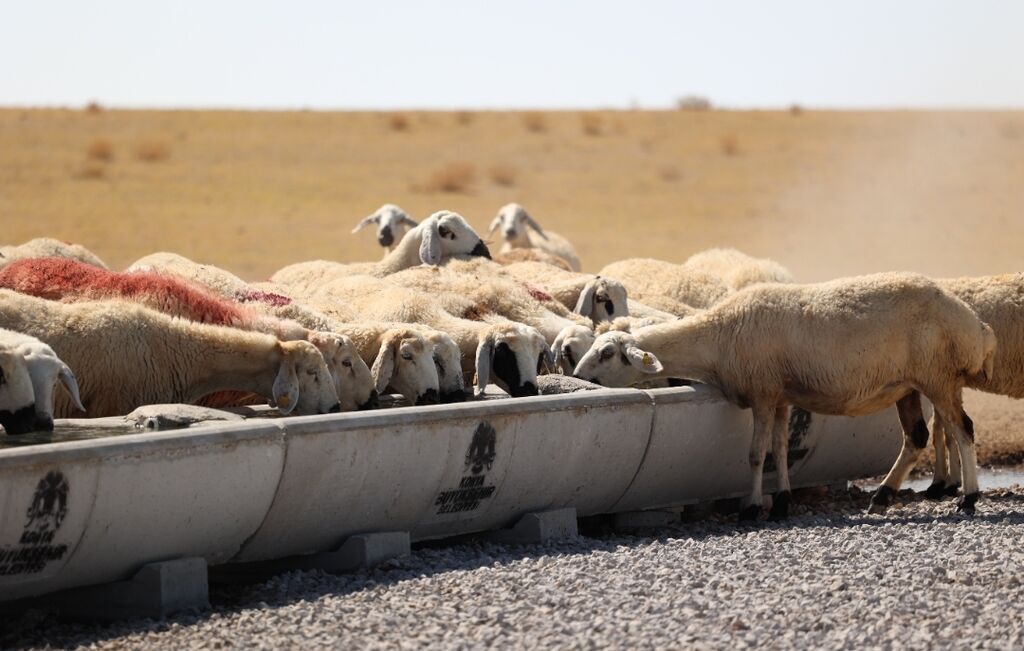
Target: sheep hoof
(966,503)
(780,506)
(750,514)
(952,490)
(881,500)
(936,491)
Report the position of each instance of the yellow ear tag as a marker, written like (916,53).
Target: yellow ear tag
(283,400)
(647,360)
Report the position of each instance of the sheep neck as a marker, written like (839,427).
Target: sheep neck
(232,360)
(687,348)
(405,254)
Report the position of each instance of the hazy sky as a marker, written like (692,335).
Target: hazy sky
(516,53)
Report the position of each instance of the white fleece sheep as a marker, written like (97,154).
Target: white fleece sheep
(46,369)
(999,302)
(521,231)
(219,280)
(508,353)
(392,224)
(737,269)
(126,356)
(667,286)
(513,256)
(47,247)
(849,347)
(17,400)
(437,238)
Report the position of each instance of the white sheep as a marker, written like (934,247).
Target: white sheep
(848,347)
(737,269)
(999,302)
(437,238)
(46,369)
(17,400)
(521,231)
(667,286)
(392,224)
(595,297)
(513,256)
(126,356)
(508,353)
(47,247)
(219,280)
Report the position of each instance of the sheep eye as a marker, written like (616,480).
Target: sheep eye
(347,363)
(446,232)
(407,356)
(606,353)
(311,373)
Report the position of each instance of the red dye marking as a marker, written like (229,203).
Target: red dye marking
(260,296)
(537,294)
(65,279)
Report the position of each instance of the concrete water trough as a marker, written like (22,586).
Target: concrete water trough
(84,512)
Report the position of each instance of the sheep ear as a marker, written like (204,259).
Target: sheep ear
(409,221)
(67,378)
(372,219)
(533,224)
(484,359)
(384,365)
(286,387)
(585,304)
(495,223)
(430,246)
(643,360)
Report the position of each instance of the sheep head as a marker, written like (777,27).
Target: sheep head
(392,223)
(511,355)
(351,375)
(17,399)
(602,299)
(569,347)
(615,360)
(46,371)
(448,361)
(513,220)
(445,234)
(303,384)
(405,362)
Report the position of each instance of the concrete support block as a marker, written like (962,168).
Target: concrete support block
(539,527)
(644,519)
(156,591)
(361,552)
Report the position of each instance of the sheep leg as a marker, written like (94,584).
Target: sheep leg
(763,418)
(780,452)
(915,438)
(961,427)
(955,468)
(940,474)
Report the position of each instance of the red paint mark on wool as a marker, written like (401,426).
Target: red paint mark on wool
(537,293)
(60,278)
(259,296)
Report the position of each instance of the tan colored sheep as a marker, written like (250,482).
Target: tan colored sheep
(848,347)
(127,356)
(737,269)
(47,247)
(667,286)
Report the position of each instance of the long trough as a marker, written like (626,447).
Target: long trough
(89,512)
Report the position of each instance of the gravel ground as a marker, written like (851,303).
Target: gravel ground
(919,577)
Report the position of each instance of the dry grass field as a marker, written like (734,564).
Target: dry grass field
(825,193)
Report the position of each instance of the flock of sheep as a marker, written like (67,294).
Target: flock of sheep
(439,310)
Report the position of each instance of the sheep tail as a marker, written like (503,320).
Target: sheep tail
(989,350)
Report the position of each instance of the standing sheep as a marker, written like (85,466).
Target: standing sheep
(392,224)
(737,269)
(999,302)
(47,247)
(847,347)
(17,399)
(127,356)
(521,231)
(46,370)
